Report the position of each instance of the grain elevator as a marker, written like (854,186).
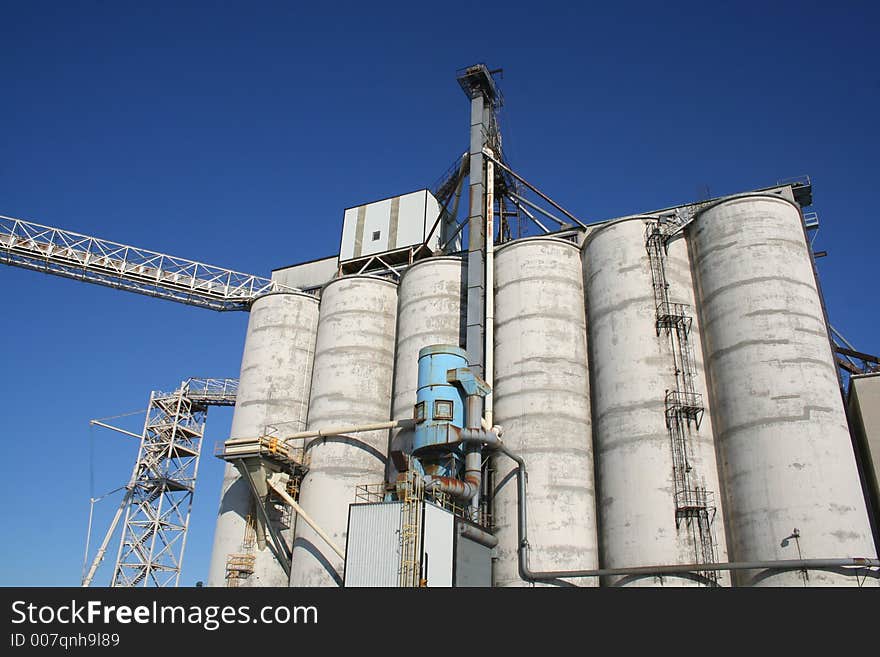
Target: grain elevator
(482,389)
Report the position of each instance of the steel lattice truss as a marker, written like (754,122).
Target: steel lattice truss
(163,482)
(64,253)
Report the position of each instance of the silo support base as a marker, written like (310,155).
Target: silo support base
(279,547)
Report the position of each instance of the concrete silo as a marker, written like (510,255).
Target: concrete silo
(351,384)
(273,393)
(656,469)
(431,310)
(789,472)
(542,400)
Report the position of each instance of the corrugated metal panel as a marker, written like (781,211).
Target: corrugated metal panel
(373,553)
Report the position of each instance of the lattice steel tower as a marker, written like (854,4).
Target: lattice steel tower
(160,492)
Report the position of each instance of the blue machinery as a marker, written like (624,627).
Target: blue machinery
(447,448)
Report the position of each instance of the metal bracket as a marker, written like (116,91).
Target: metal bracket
(468,381)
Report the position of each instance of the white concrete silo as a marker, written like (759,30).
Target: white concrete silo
(273,391)
(431,310)
(351,384)
(541,399)
(632,369)
(788,463)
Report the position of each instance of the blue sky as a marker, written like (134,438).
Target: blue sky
(235,133)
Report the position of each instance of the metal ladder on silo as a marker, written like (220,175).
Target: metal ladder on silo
(240,566)
(656,248)
(682,405)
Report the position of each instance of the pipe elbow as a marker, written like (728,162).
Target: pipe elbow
(463,489)
(489,438)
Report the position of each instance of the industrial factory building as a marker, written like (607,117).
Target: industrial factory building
(514,397)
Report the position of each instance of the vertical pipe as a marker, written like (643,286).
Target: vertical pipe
(490,285)
(473,460)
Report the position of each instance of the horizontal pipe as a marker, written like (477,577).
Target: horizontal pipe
(787,564)
(357,428)
(477,535)
(463,489)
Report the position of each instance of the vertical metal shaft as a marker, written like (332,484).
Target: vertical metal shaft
(489,368)
(476,236)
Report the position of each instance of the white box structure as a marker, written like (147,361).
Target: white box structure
(391,224)
(446,557)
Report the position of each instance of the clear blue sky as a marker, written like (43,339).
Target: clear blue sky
(235,133)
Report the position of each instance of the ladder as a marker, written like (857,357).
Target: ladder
(410,530)
(682,406)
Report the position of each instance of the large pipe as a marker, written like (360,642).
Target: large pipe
(473,459)
(477,535)
(464,489)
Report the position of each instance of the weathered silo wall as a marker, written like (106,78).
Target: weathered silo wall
(541,399)
(632,369)
(273,390)
(431,310)
(785,449)
(351,384)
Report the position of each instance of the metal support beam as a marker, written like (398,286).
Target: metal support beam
(529,215)
(868,358)
(102,549)
(539,209)
(537,191)
(283,494)
(116,429)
